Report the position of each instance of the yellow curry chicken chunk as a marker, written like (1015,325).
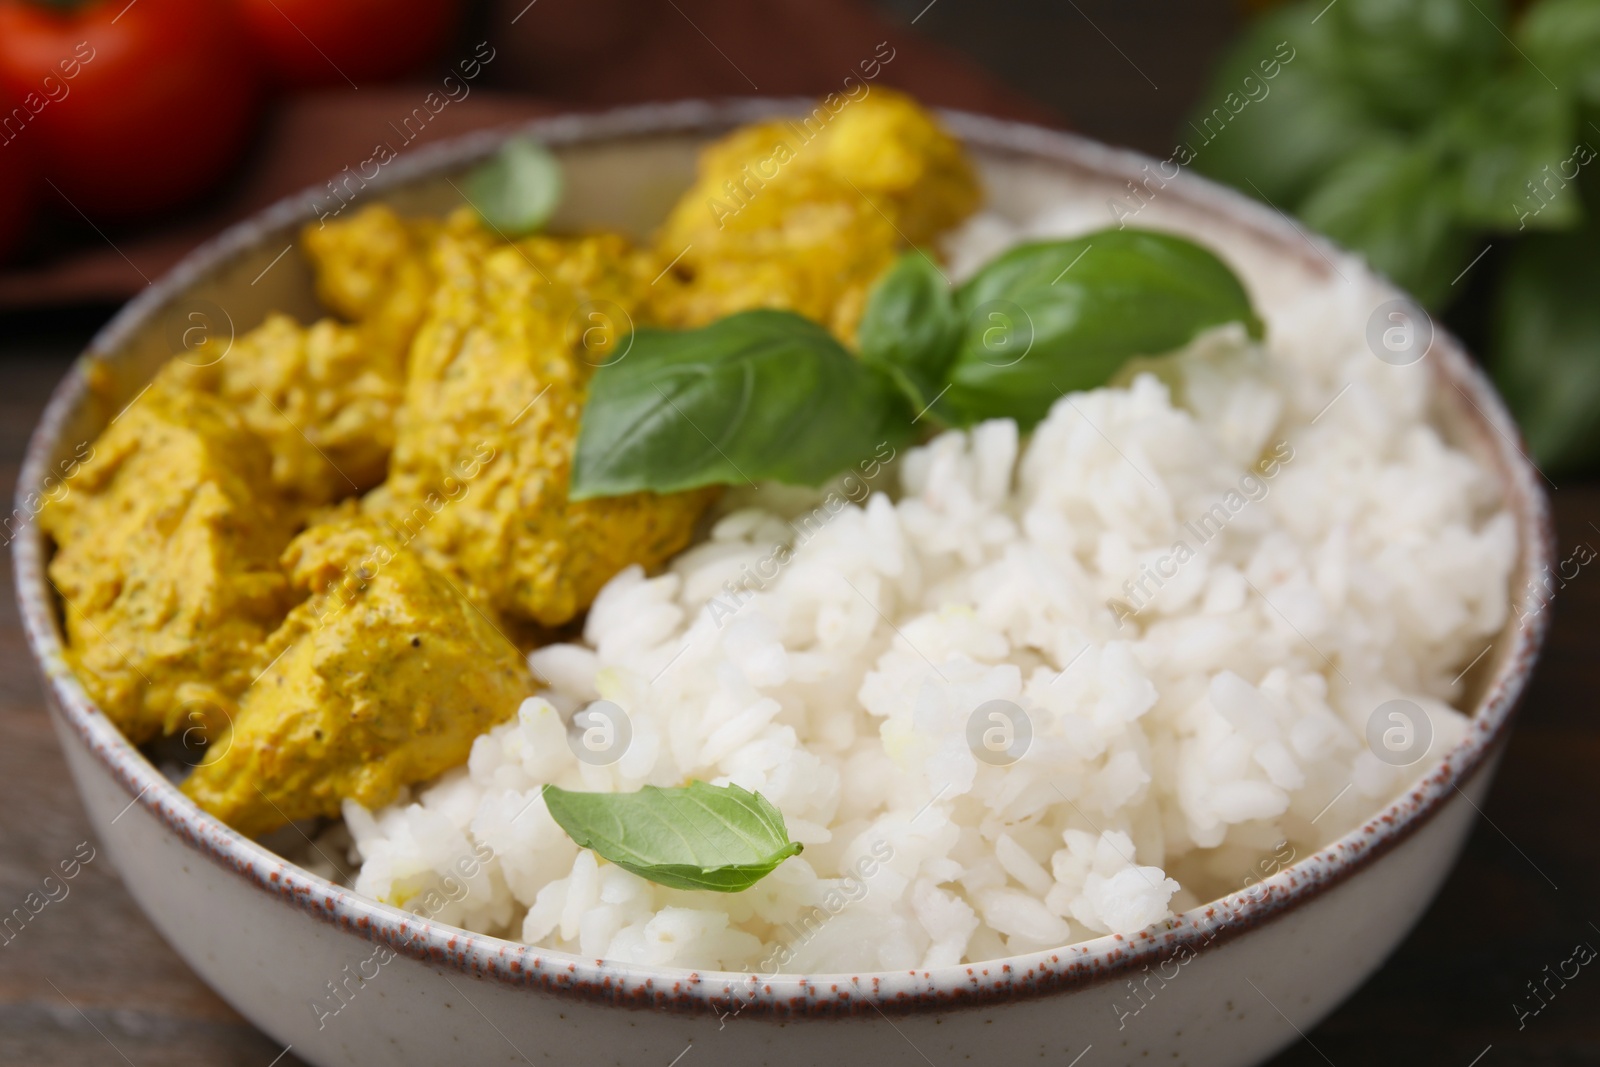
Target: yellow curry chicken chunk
(484,444)
(373,269)
(381,678)
(324,396)
(805,214)
(167,562)
(320,396)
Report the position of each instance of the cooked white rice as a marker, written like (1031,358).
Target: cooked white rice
(1353,557)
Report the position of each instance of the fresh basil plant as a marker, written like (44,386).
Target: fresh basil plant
(1445,140)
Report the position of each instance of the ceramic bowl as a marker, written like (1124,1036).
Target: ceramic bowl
(348,981)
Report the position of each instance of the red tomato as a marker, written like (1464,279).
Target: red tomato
(336,42)
(18,181)
(130,107)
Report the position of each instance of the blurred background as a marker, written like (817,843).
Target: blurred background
(1448,140)
(1453,142)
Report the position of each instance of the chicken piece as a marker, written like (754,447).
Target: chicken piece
(373,270)
(496,384)
(381,678)
(167,560)
(323,397)
(806,214)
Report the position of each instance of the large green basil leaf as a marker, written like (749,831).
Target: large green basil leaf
(1546,357)
(1390,203)
(910,327)
(757,395)
(1513,131)
(1055,316)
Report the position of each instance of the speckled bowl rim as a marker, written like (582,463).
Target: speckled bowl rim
(787,996)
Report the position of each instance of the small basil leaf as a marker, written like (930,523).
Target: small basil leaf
(698,836)
(517,191)
(1056,316)
(910,327)
(1385,202)
(758,395)
(1546,352)
(1507,147)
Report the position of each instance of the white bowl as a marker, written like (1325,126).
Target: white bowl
(1227,983)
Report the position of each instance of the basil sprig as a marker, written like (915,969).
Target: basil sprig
(769,395)
(698,836)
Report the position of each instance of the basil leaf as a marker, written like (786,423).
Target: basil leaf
(757,395)
(1055,316)
(1546,351)
(1385,202)
(910,328)
(1513,131)
(517,191)
(698,836)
